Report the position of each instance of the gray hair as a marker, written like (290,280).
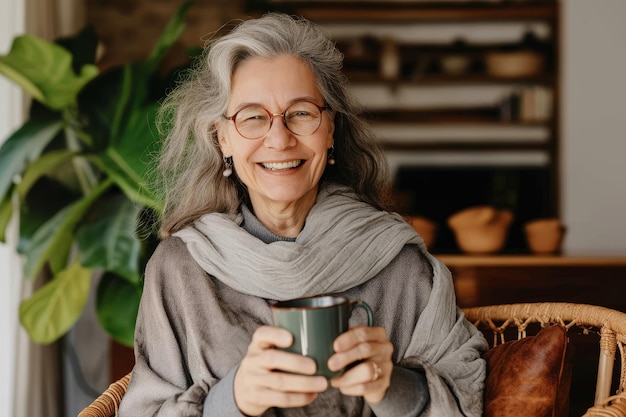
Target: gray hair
(191,163)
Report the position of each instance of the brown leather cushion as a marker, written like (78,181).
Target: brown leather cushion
(530,377)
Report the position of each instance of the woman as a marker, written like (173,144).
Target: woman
(274,190)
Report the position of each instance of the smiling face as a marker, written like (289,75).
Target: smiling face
(280,169)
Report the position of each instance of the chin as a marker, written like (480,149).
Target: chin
(290,194)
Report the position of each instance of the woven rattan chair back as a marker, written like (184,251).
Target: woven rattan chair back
(107,404)
(609,324)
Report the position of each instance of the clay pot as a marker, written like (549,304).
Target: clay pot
(481,229)
(514,64)
(545,236)
(424,227)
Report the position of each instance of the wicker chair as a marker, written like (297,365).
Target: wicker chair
(610,324)
(106,405)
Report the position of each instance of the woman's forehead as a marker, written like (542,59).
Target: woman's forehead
(280,79)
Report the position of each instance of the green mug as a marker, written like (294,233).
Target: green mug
(315,323)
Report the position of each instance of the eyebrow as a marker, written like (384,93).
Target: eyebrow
(289,103)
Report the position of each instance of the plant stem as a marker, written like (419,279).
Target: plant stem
(84,171)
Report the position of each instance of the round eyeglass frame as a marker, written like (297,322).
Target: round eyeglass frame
(273,115)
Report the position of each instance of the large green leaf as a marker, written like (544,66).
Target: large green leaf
(53,240)
(132,90)
(129,159)
(23,147)
(56,306)
(134,187)
(41,167)
(117,303)
(109,243)
(136,81)
(97,104)
(44,70)
(6,212)
(45,199)
(110,99)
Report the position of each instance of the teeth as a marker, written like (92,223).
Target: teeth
(282,165)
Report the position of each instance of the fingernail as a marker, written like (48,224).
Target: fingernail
(286,339)
(323,384)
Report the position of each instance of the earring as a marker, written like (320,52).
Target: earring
(228,166)
(331,155)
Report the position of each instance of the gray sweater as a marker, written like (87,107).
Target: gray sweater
(193,330)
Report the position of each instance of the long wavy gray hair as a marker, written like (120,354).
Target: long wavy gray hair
(191,163)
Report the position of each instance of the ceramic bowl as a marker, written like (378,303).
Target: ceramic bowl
(544,236)
(481,229)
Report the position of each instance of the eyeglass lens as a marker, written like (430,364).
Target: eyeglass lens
(301,118)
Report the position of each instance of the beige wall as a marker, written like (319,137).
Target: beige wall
(594,127)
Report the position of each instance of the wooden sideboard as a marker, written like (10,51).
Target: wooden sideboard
(485,280)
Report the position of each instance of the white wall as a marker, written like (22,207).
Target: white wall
(11,23)
(594,127)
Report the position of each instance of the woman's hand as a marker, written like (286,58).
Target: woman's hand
(370,378)
(260,384)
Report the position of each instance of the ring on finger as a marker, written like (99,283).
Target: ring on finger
(377,371)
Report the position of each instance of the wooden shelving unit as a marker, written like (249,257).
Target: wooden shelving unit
(363,68)
(477,261)
(449,116)
(420,66)
(410,11)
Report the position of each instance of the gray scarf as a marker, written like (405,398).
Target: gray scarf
(344,243)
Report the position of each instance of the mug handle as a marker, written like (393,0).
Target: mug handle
(367,308)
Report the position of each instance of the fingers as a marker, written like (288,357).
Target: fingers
(266,337)
(360,343)
(264,358)
(262,400)
(372,351)
(293,383)
(377,370)
(269,377)
(365,380)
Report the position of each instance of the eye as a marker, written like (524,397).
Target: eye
(300,113)
(303,111)
(252,114)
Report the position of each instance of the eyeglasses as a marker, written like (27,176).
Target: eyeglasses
(302,118)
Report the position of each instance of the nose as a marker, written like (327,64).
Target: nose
(279,137)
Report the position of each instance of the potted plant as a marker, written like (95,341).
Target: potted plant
(76,172)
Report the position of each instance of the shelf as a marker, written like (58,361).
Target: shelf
(412,11)
(484,116)
(372,78)
(528,260)
(466,146)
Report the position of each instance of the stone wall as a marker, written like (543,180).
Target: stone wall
(128,29)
